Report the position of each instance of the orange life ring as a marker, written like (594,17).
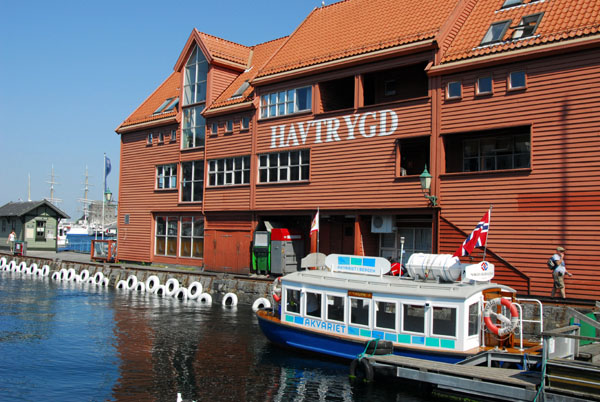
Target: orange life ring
(508,325)
(276,293)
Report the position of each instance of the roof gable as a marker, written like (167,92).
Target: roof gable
(22,208)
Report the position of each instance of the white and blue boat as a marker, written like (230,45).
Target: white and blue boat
(440,310)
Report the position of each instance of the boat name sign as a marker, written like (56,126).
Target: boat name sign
(482,272)
(356,264)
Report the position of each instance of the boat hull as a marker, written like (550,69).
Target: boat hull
(333,345)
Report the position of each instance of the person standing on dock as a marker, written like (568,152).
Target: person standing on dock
(12,237)
(559,272)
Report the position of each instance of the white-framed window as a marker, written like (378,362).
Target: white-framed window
(149,139)
(166,176)
(245,123)
(286,102)
(192,181)
(161,137)
(336,307)
(191,242)
(385,314)
(416,240)
(196,70)
(517,80)
(413,318)
(194,126)
(166,235)
(173,135)
(444,321)
(284,166)
(454,90)
(484,85)
(495,32)
(313,304)
(40,230)
(292,300)
(229,126)
(214,128)
(360,311)
(229,171)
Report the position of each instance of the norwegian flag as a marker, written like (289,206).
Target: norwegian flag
(477,238)
(314,226)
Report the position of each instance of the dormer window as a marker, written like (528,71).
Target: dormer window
(495,33)
(196,70)
(527,27)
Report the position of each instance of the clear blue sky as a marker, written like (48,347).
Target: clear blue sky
(72,71)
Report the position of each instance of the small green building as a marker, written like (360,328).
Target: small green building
(34,222)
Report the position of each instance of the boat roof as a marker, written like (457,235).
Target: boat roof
(389,284)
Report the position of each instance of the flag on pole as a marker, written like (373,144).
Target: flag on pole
(107,168)
(314,226)
(477,238)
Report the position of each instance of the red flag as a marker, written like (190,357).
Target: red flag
(477,238)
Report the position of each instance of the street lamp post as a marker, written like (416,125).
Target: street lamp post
(107,198)
(425,178)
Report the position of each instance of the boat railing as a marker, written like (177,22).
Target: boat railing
(539,321)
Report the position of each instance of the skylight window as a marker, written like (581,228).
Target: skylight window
(241,90)
(162,106)
(527,27)
(172,106)
(496,32)
(510,3)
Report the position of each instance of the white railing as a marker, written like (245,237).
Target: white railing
(539,321)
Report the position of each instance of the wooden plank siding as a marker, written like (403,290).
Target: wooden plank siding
(227,240)
(218,79)
(557,201)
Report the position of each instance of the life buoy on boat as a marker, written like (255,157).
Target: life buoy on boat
(261,302)
(276,293)
(507,325)
(230,300)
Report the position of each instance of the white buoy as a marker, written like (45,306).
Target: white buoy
(151,283)
(261,302)
(132,282)
(230,300)
(205,298)
(194,290)
(171,286)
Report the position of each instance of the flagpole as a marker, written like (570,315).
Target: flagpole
(103,195)
(488,232)
(319,226)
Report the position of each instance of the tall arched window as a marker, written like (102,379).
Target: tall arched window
(196,70)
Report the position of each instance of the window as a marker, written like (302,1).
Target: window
(40,231)
(517,80)
(395,84)
(359,311)
(335,308)
(172,106)
(313,304)
(193,128)
(412,155)
(149,139)
(245,123)
(527,27)
(163,106)
(229,126)
(495,33)
(385,315)
(173,135)
(484,85)
(414,318)
(192,237)
(214,128)
(510,3)
(161,137)
(454,90)
(444,321)
(488,150)
(292,301)
(228,172)
(240,91)
(166,176)
(166,236)
(286,102)
(337,94)
(126,219)
(192,181)
(196,70)
(416,240)
(284,166)
(474,319)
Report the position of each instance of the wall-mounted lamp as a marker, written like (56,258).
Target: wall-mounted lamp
(426,187)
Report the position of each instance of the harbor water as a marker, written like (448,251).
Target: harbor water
(66,341)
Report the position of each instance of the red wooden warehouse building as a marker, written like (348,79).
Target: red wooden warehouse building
(497,99)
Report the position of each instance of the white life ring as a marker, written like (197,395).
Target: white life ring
(171,286)
(121,284)
(140,287)
(230,300)
(55,276)
(45,271)
(132,282)
(71,274)
(194,290)
(151,283)
(181,294)
(276,292)
(13,266)
(63,274)
(22,266)
(3,261)
(33,268)
(260,303)
(161,290)
(84,275)
(98,276)
(507,325)
(205,298)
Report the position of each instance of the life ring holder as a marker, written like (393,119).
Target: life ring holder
(276,292)
(511,324)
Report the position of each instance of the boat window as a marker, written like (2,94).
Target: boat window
(292,301)
(414,318)
(313,304)
(335,308)
(385,316)
(444,321)
(474,319)
(359,311)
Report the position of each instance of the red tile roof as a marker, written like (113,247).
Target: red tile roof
(354,27)
(225,50)
(170,88)
(260,54)
(562,20)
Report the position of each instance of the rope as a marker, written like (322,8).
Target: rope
(364,352)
